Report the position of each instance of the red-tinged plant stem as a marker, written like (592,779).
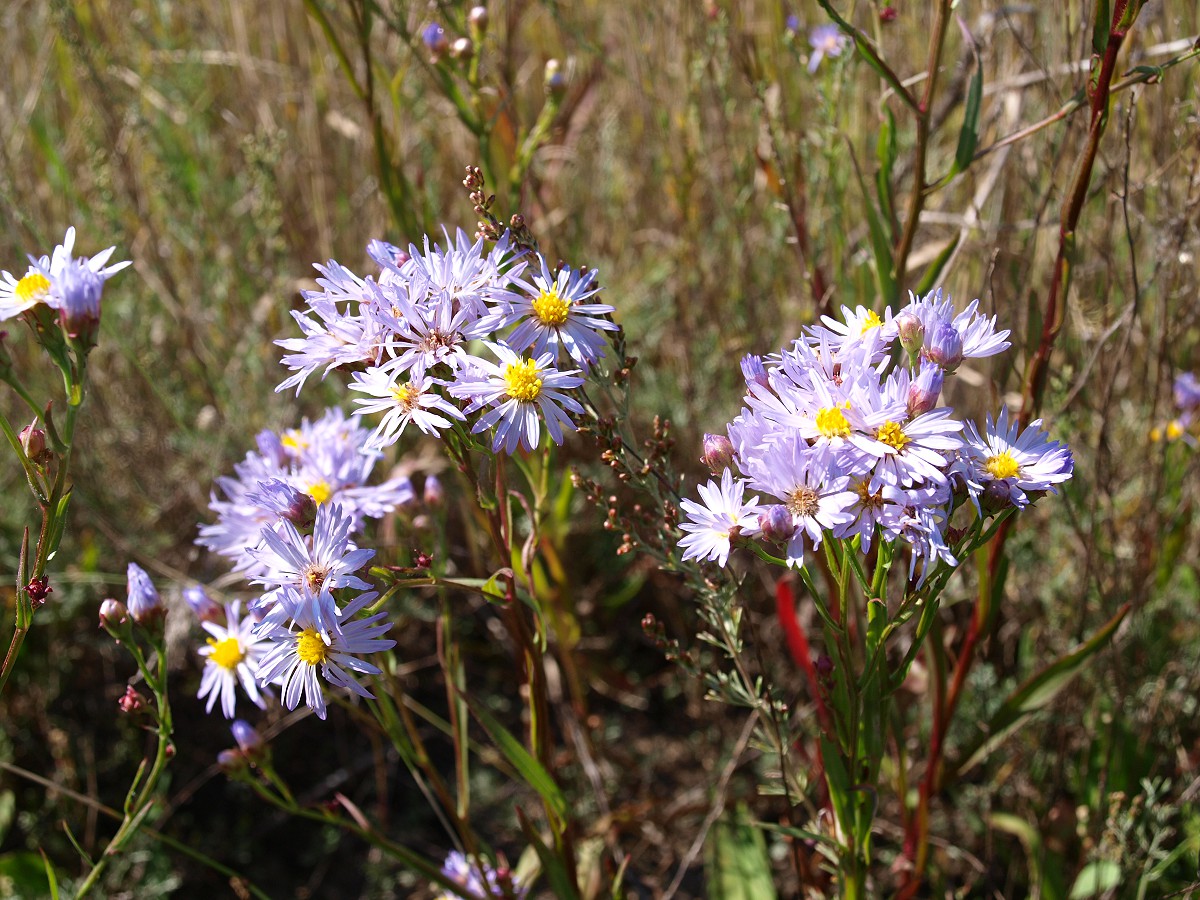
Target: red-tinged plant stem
(785,605)
(916,840)
(937,39)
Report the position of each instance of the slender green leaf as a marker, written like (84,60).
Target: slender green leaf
(530,770)
(51,878)
(1100,27)
(736,863)
(556,873)
(968,137)
(885,153)
(881,245)
(1035,693)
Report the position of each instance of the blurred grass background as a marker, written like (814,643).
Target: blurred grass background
(221,146)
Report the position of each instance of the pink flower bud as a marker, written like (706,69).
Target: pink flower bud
(718,453)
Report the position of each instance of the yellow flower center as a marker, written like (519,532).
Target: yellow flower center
(832,422)
(406,396)
(1002,465)
(310,648)
(803,501)
(893,435)
(521,380)
(226,653)
(320,491)
(550,308)
(1174,430)
(32,288)
(293,441)
(872,320)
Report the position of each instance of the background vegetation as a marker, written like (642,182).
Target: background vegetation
(722,191)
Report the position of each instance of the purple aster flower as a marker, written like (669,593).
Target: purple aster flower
(722,516)
(414,400)
(978,333)
(1017,461)
(231,657)
(813,490)
(315,565)
(555,315)
(480,878)
(522,393)
(1187,392)
(300,656)
(826,40)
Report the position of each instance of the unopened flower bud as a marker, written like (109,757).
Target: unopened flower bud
(434,494)
(38,590)
(113,615)
(911,331)
(462,48)
(477,19)
(131,701)
(231,762)
(718,453)
(249,741)
(33,442)
(924,390)
(996,496)
(944,347)
(888,14)
(824,666)
(434,37)
(754,371)
(204,606)
(554,80)
(775,522)
(142,598)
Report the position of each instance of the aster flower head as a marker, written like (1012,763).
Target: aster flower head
(231,658)
(521,393)
(809,485)
(142,600)
(299,659)
(470,277)
(314,565)
(1016,461)
(414,400)
(723,515)
(976,333)
(1187,393)
(554,314)
(825,40)
(480,878)
(71,285)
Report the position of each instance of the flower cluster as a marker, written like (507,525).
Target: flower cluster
(287,522)
(462,336)
(60,285)
(839,441)
(480,878)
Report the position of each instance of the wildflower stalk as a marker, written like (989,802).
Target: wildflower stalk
(923,110)
(51,497)
(141,797)
(1124,13)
